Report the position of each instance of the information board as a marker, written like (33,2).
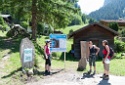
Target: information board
(27,55)
(58,42)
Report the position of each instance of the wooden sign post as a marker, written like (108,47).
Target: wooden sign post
(84,54)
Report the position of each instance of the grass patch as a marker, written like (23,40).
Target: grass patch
(69,29)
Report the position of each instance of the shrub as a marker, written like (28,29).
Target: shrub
(44,29)
(91,20)
(71,31)
(119,45)
(24,24)
(114,26)
(3,24)
(1,21)
(77,20)
(123,33)
(40,28)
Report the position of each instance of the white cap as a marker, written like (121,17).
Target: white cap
(47,41)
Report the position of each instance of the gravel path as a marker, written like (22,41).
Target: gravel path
(75,78)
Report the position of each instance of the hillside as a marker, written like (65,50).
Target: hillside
(107,2)
(112,9)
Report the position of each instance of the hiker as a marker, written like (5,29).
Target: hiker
(106,59)
(93,52)
(47,57)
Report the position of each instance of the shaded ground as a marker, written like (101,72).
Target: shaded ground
(65,77)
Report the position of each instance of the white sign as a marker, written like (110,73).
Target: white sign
(28,55)
(58,42)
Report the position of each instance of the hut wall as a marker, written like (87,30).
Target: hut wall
(96,34)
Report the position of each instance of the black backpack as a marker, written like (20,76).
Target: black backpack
(111,52)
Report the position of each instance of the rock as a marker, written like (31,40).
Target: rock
(17,30)
(27,53)
(30,72)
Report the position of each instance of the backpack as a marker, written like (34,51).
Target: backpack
(111,52)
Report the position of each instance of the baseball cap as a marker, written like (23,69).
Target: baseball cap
(47,41)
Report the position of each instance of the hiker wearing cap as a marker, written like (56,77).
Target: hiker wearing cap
(47,57)
(106,59)
(93,52)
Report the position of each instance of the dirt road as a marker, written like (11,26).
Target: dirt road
(74,78)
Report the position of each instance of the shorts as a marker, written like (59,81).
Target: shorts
(48,61)
(92,60)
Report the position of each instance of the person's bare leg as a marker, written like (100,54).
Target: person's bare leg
(107,72)
(49,68)
(45,67)
(90,68)
(107,69)
(95,68)
(104,69)
(94,72)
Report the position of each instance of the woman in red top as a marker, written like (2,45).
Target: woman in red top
(47,57)
(106,59)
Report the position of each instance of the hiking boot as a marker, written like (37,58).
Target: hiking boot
(106,77)
(49,73)
(94,72)
(46,72)
(89,72)
(103,76)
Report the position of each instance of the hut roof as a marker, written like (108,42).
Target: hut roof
(118,21)
(90,25)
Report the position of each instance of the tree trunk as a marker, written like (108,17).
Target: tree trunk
(34,19)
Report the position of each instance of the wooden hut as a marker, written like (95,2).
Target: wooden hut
(95,32)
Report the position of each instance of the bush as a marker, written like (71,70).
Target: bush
(1,21)
(77,20)
(24,24)
(71,31)
(114,26)
(119,45)
(10,33)
(4,25)
(91,20)
(123,33)
(44,29)
(40,28)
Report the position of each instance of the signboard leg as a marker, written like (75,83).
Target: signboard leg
(64,60)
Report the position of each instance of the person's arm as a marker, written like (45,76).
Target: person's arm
(97,48)
(108,51)
(45,52)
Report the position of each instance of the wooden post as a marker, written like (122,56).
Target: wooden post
(64,60)
(84,54)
